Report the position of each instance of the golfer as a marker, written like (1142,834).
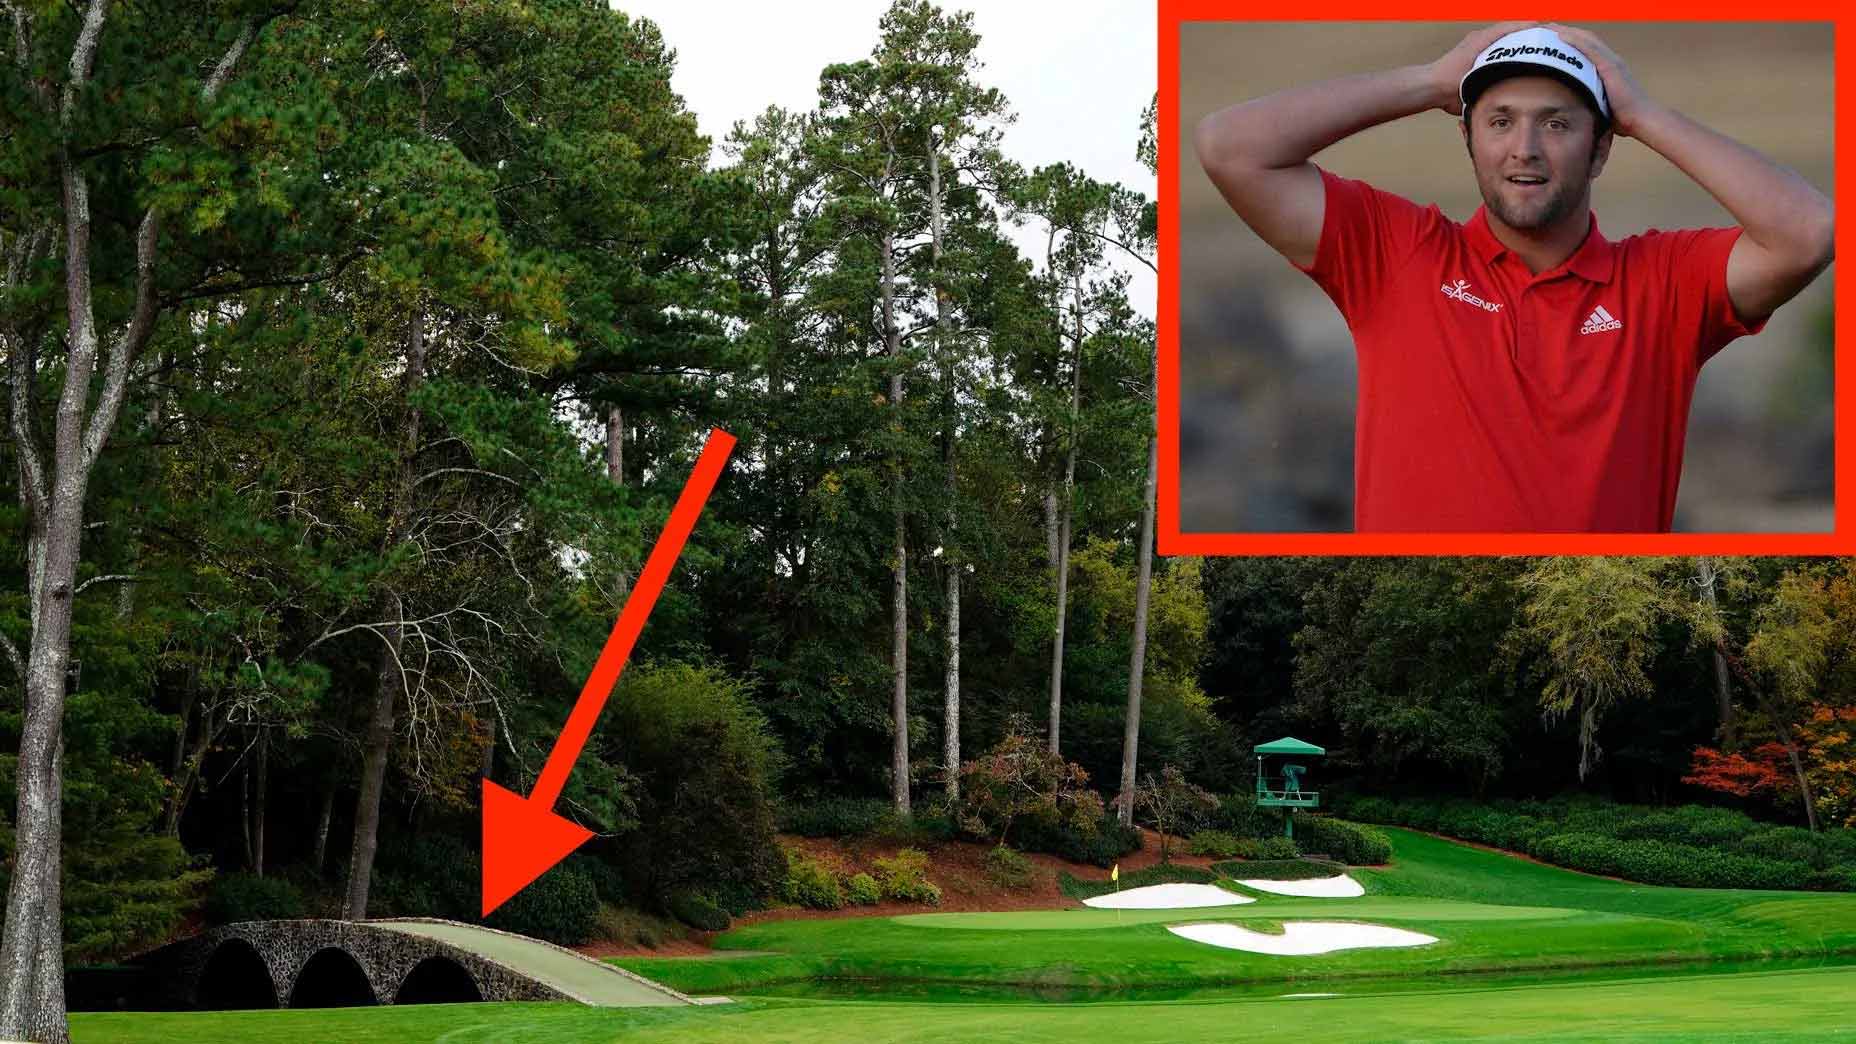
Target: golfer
(1519,372)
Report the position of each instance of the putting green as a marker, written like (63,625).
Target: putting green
(1264,908)
(1491,913)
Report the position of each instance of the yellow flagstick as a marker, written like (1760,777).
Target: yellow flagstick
(1114,875)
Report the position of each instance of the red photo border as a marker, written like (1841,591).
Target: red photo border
(1840,541)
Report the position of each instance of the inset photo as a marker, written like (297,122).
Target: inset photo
(1537,285)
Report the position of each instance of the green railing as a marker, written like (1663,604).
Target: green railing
(1278,791)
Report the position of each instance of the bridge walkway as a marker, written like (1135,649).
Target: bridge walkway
(578,976)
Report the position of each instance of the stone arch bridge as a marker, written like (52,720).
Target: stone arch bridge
(323,963)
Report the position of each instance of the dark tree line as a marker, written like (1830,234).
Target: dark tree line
(1654,679)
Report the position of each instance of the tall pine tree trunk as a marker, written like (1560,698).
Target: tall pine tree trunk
(319,856)
(262,785)
(374,752)
(1063,529)
(615,470)
(1137,660)
(244,813)
(899,585)
(1804,783)
(388,678)
(52,488)
(615,446)
(943,318)
(489,749)
(1051,527)
(1705,574)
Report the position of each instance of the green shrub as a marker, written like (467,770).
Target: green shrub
(1008,869)
(561,906)
(1101,846)
(698,911)
(704,824)
(247,897)
(1693,825)
(1790,844)
(608,881)
(1346,842)
(1221,845)
(834,817)
(1279,869)
(809,883)
(1367,809)
(1663,863)
(1159,873)
(904,878)
(929,826)
(1839,846)
(428,873)
(863,890)
(1238,814)
(629,927)
(1831,879)
(1277,847)
(1218,844)
(1691,845)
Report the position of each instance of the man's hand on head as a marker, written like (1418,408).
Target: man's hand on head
(1627,98)
(1447,72)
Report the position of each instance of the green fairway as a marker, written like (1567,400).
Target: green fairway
(1792,1005)
(1490,912)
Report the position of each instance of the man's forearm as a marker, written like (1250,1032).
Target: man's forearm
(1774,206)
(1285,129)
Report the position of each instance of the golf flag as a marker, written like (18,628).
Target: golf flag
(1115,874)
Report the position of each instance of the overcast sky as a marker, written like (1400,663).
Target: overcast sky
(1076,74)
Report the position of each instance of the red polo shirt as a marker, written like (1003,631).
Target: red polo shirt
(1496,400)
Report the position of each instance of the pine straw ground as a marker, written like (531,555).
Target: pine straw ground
(959,867)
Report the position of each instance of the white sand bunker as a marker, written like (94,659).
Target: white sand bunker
(1300,938)
(1168,897)
(1341,887)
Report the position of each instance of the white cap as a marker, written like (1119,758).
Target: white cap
(1536,51)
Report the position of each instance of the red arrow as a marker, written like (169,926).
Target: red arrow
(522,837)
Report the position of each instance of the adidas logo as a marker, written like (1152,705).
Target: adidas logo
(1600,321)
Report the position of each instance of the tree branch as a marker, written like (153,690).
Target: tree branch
(466,471)
(223,71)
(12,653)
(228,289)
(148,233)
(22,356)
(126,347)
(131,577)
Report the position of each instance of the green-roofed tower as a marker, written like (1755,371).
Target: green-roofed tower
(1283,784)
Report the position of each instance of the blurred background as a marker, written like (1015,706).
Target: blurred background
(1267,372)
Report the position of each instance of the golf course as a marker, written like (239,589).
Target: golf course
(1525,950)
(664,520)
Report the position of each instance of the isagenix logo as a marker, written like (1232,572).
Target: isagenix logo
(1461,293)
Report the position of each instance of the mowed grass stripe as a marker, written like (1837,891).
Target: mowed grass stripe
(1780,1006)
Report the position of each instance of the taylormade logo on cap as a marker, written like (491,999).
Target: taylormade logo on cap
(1499,53)
(1537,48)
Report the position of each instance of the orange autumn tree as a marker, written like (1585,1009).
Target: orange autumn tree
(1798,667)
(1763,771)
(1830,738)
